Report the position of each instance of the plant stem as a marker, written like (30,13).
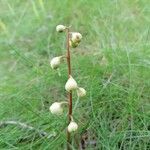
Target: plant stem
(70,93)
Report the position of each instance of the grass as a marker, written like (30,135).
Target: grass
(116,110)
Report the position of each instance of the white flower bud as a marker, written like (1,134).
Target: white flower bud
(72,126)
(60,28)
(71,84)
(76,37)
(81,92)
(56,108)
(55,62)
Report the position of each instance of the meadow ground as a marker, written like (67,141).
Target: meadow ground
(112,63)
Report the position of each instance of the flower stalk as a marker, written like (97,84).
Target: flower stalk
(69,93)
(72,40)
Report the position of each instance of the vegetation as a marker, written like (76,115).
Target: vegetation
(112,62)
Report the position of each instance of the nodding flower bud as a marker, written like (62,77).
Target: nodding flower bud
(56,108)
(73,44)
(76,37)
(55,62)
(71,84)
(81,92)
(72,126)
(60,28)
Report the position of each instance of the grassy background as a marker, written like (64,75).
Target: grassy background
(112,63)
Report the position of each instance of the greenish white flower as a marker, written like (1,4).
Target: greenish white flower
(72,126)
(60,28)
(81,92)
(71,84)
(55,62)
(76,37)
(56,108)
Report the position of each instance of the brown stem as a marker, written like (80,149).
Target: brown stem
(70,93)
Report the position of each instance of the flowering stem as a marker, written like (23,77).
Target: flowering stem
(70,93)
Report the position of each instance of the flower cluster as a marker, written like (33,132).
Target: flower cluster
(71,84)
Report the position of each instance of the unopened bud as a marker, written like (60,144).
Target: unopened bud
(72,126)
(56,108)
(60,28)
(55,62)
(81,92)
(76,37)
(71,84)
